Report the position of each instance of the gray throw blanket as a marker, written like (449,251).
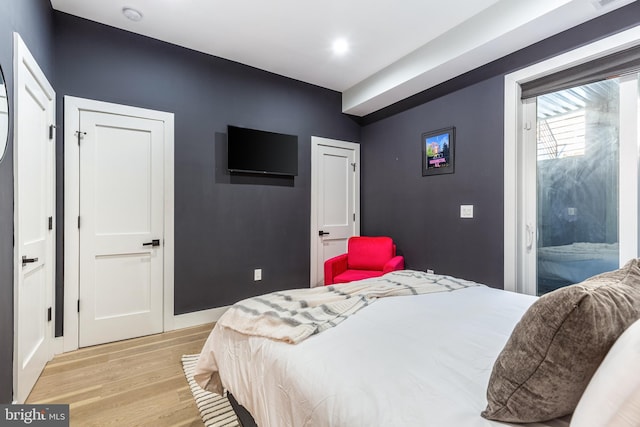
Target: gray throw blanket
(293,315)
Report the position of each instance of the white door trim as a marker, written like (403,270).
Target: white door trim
(72,108)
(317,141)
(513,135)
(628,166)
(23,58)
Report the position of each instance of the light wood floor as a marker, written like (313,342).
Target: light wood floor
(138,382)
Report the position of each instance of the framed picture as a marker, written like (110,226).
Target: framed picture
(438,151)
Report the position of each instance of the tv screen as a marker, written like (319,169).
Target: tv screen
(257,151)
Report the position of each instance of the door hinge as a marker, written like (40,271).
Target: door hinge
(50,223)
(354,216)
(80,135)
(51,131)
(78,221)
(49,314)
(78,306)
(527,125)
(354,166)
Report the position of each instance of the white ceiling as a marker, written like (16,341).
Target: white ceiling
(397,48)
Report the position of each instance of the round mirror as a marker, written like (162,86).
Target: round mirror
(4,115)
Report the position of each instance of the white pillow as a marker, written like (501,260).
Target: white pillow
(612,398)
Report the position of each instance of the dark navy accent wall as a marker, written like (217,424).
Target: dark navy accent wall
(32,19)
(423,213)
(225,226)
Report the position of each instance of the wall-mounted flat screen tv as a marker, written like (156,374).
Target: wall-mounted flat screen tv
(257,151)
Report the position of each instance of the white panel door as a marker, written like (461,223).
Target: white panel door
(121,227)
(337,202)
(35,190)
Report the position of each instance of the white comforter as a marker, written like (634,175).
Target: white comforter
(421,360)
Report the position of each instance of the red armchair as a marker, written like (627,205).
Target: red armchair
(366,257)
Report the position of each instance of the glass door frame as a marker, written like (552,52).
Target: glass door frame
(529,246)
(519,269)
(629,149)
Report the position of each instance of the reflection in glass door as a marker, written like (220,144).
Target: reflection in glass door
(578,151)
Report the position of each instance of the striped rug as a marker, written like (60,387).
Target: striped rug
(215,410)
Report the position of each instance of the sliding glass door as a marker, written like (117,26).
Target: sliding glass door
(581,175)
(577,152)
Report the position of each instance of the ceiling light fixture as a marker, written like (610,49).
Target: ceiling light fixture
(340,47)
(132,14)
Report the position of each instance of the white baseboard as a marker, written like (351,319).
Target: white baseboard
(58,345)
(197,318)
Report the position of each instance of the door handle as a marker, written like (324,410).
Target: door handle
(529,232)
(26,260)
(322,233)
(154,242)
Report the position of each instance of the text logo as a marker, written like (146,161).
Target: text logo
(34,415)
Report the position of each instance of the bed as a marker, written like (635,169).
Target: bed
(415,360)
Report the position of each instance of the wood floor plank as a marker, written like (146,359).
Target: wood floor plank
(136,382)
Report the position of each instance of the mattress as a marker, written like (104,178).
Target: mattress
(422,360)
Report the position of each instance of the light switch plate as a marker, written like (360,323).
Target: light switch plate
(466,211)
(257,274)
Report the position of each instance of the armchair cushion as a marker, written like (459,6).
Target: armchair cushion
(353,275)
(369,253)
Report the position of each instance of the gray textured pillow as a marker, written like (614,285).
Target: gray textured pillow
(558,344)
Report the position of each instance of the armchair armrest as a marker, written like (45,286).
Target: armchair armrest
(395,263)
(333,267)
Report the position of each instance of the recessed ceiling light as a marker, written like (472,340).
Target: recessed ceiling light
(132,14)
(340,46)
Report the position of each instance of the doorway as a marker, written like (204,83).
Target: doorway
(571,166)
(119,211)
(335,200)
(579,135)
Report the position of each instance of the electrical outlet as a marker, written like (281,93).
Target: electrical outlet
(257,274)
